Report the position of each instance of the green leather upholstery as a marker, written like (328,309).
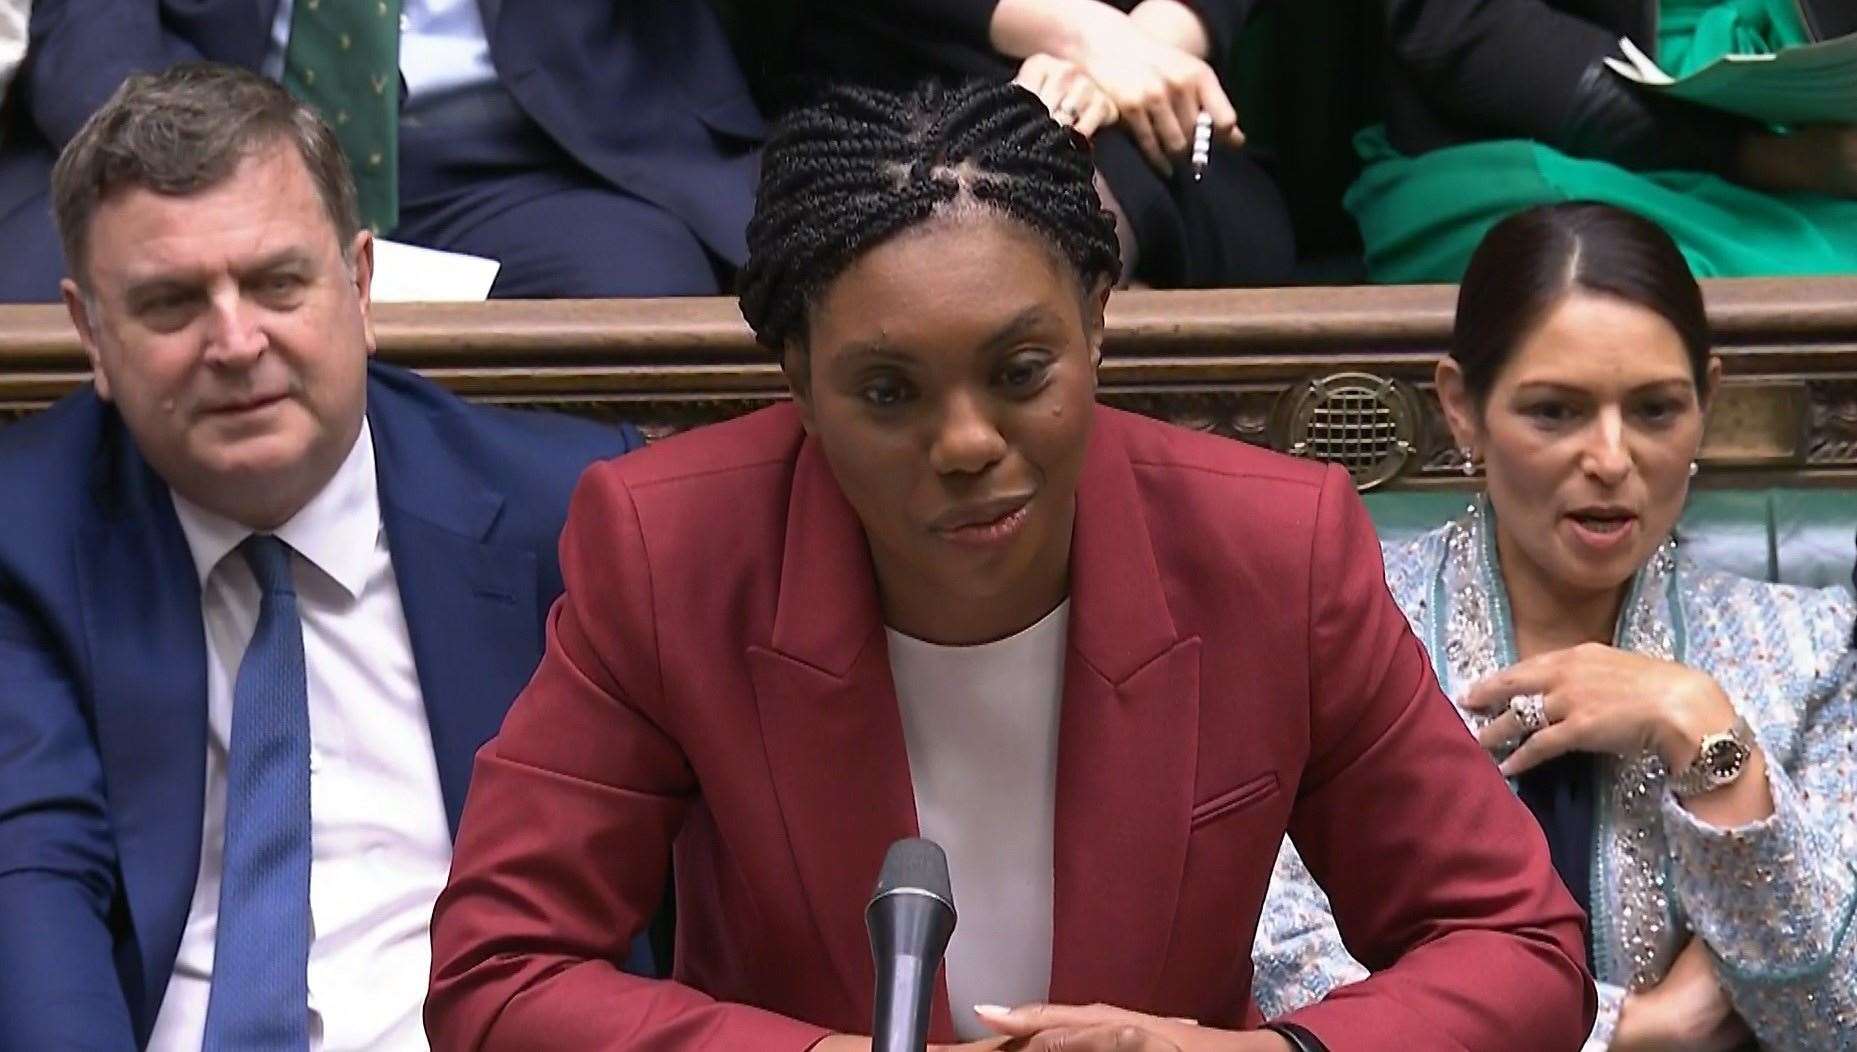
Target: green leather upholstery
(1799,536)
(1811,531)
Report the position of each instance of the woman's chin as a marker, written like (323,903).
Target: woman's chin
(1588,571)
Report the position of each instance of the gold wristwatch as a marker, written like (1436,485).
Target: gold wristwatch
(1722,759)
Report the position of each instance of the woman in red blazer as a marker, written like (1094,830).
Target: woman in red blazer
(721,687)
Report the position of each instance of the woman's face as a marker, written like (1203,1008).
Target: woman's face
(1587,435)
(948,378)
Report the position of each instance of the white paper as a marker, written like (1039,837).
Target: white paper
(1810,84)
(406,273)
(1637,66)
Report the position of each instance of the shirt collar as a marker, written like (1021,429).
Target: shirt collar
(336,531)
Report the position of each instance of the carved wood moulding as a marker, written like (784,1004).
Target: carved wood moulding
(1319,370)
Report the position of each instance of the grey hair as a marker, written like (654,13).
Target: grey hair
(185,130)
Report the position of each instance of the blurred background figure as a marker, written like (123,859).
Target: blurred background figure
(593,147)
(13,15)
(1496,105)
(1131,75)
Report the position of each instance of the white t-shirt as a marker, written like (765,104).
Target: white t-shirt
(981,723)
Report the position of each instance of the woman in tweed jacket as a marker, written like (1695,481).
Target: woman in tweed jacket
(1687,739)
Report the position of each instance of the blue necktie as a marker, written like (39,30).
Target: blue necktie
(259,1000)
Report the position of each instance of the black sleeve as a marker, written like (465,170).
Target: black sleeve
(1224,20)
(967,20)
(972,20)
(1521,68)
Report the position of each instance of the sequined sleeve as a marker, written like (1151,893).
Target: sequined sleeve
(1298,955)
(1774,899)
(1611,1005)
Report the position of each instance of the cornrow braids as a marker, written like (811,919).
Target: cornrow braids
(847,172)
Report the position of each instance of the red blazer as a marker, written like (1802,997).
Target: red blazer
(716,690)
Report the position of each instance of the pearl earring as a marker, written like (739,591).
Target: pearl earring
(1693,468)
(1469,456)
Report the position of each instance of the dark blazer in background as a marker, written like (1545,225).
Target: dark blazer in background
(615,83)
(717,688)
(1465,70)
(103,721)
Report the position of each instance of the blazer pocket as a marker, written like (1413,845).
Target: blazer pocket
(1258,789)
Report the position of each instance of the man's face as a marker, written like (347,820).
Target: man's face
(232,333)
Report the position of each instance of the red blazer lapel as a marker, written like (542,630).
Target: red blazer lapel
(830,724)
(1127,741)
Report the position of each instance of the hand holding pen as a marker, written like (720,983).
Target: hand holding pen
(1202,145)
(1158,90)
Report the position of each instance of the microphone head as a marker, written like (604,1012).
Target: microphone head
(915,865)
(910,918)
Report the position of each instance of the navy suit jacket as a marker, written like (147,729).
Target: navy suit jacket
(103,671)
(645,93)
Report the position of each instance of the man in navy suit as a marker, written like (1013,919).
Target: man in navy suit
(595,147)
(260,602)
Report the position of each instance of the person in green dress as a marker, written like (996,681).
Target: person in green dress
(1497,105)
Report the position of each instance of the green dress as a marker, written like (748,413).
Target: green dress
(1421,217)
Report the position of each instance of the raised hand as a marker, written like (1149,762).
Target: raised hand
(1596,698)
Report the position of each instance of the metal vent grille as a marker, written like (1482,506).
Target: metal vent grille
(1368,424)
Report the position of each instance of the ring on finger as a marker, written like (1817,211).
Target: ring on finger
(1530,712)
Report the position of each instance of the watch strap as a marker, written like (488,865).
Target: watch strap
(1299,1038)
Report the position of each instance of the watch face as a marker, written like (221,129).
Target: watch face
(1724,758)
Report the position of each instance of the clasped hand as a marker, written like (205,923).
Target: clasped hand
(1105,1028)
(1122,74)
(1599,699)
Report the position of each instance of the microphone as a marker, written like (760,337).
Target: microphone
(910,917)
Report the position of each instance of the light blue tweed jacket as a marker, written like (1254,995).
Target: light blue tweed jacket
(1773,900)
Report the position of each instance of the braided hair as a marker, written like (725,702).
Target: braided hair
(859,166)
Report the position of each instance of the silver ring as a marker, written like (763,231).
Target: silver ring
(1064,115)
(1530,711)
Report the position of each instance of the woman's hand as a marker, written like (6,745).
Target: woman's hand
(1158,88)
(1600,699)
(1088,1028)
(1819,158)
(1159,91)
(1071,96)
(1687,1012)
(1105,1028)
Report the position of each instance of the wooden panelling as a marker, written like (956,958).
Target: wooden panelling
(1220,360)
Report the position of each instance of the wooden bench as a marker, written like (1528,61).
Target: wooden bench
(1338,371)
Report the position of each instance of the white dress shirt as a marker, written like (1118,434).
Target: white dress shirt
(380,843)
(443,46)
(980,724)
